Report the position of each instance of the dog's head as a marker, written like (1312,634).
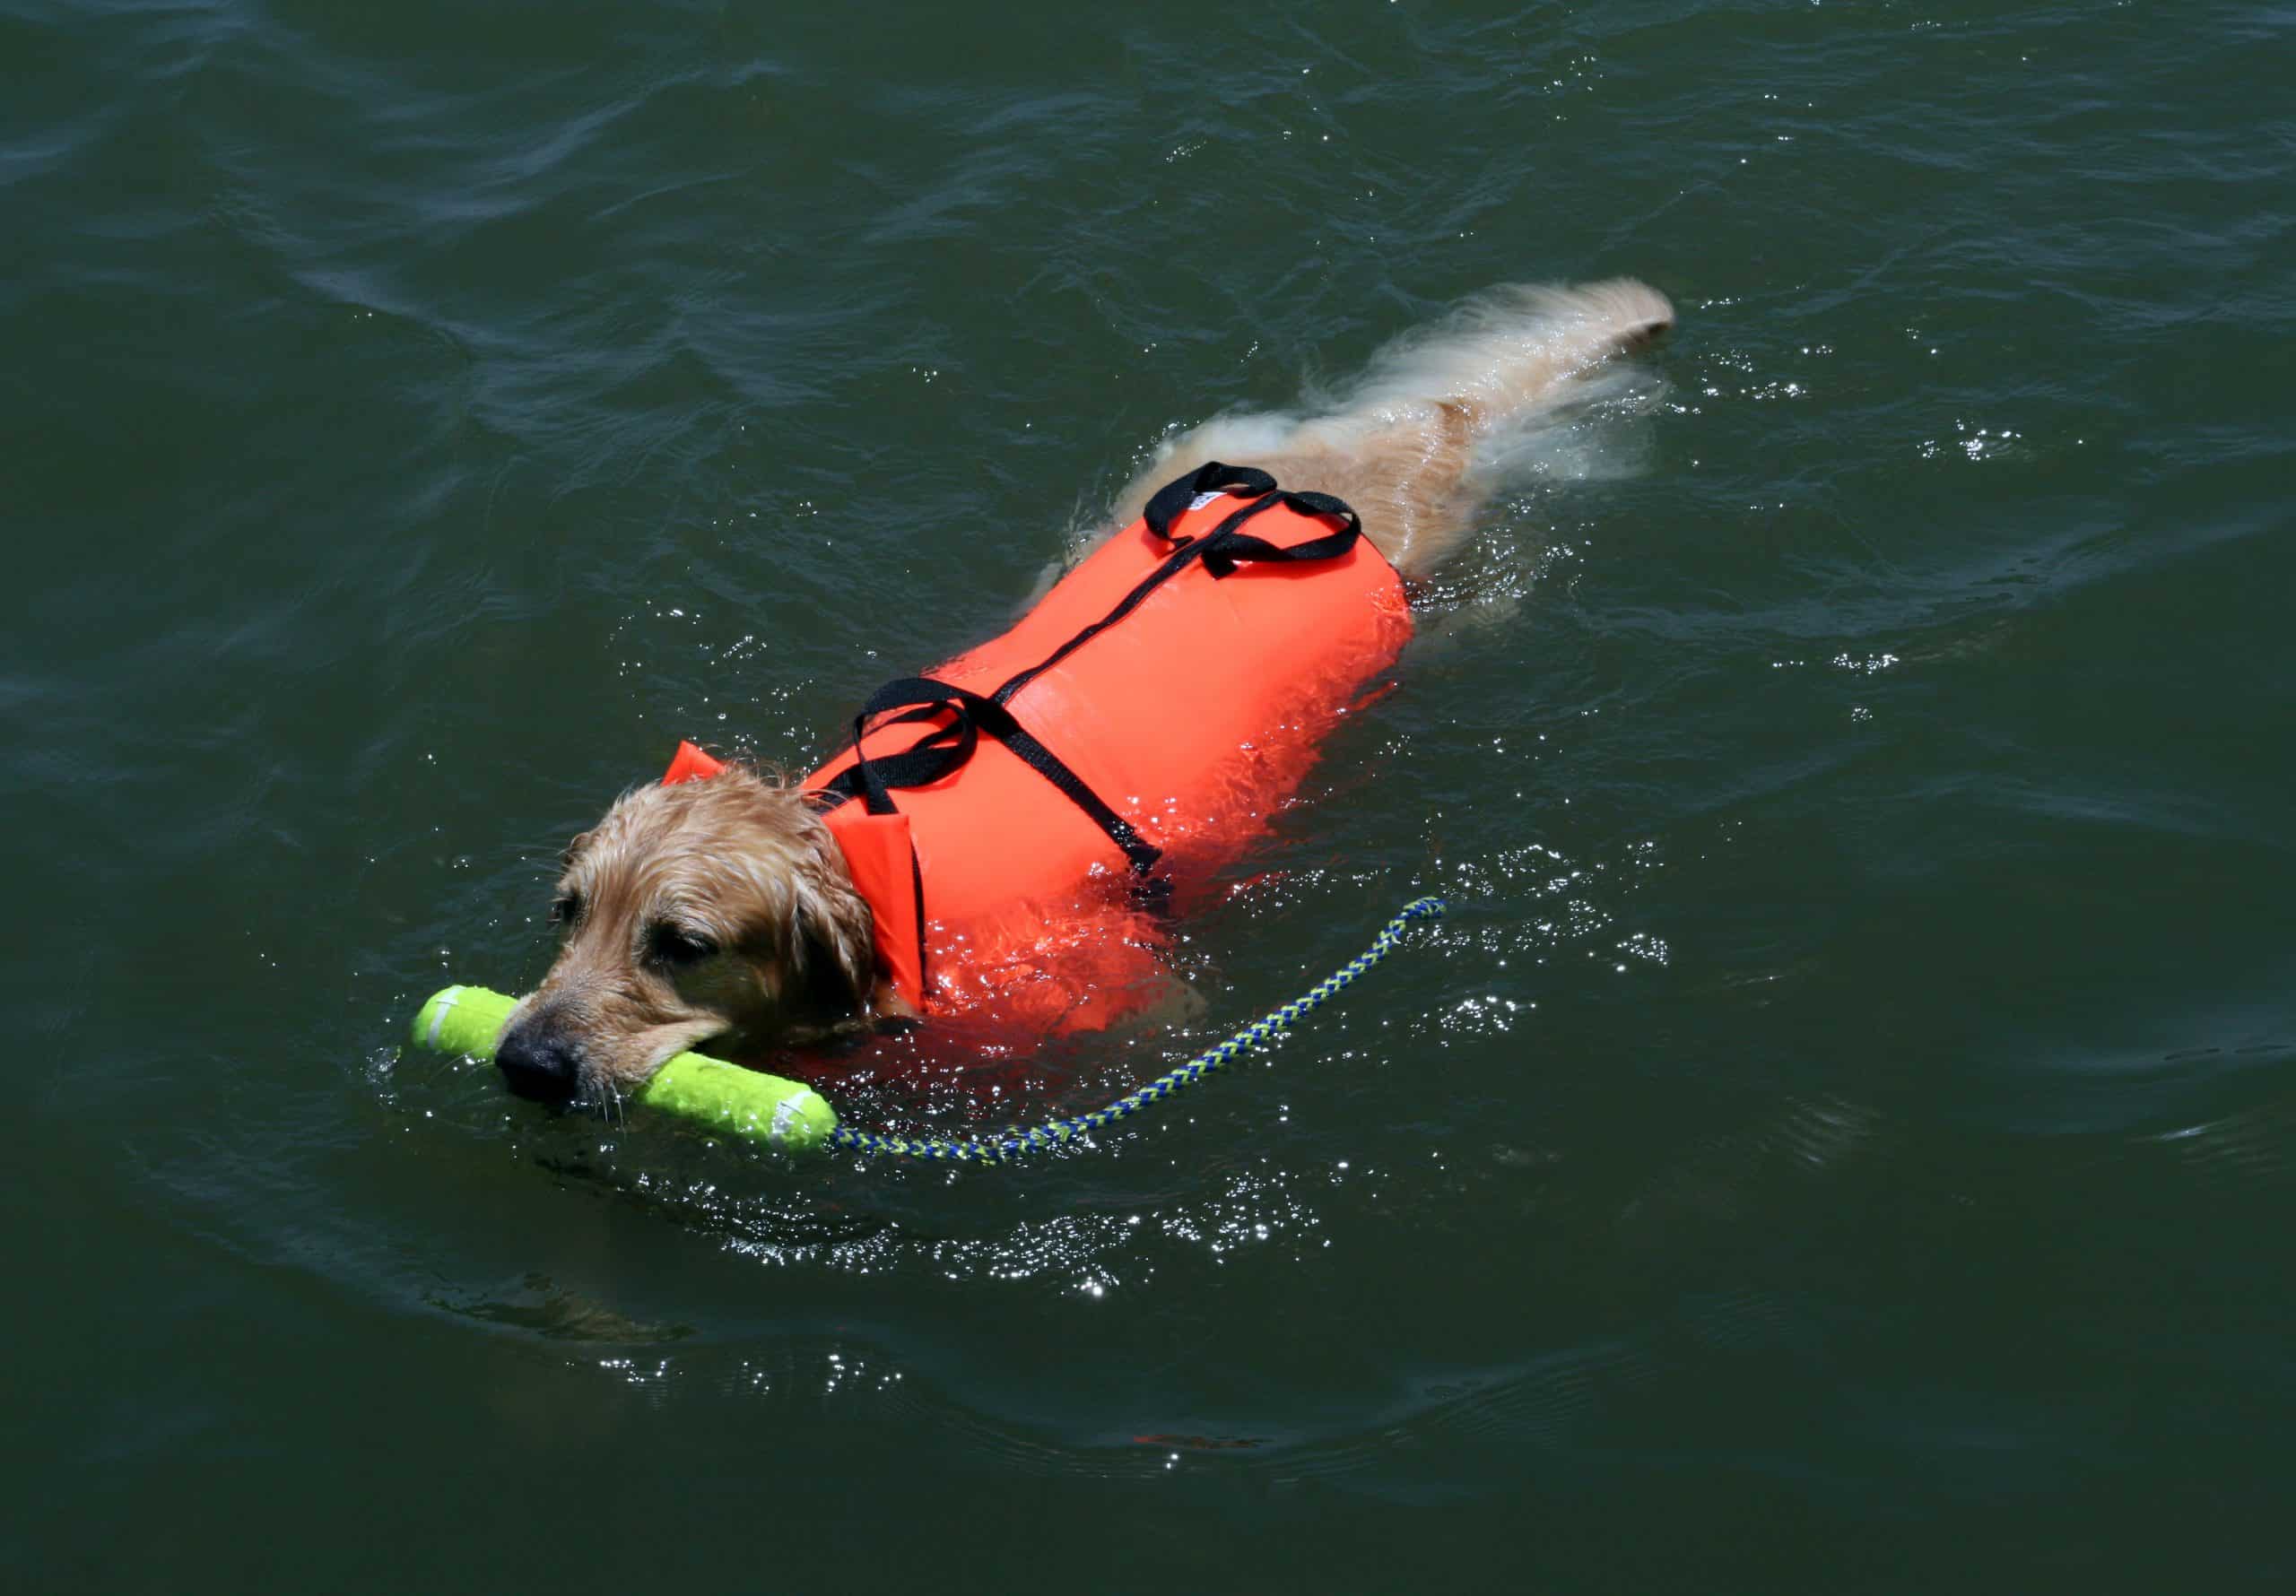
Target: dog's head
(710,912)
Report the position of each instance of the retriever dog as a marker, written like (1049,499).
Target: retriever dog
(720,913)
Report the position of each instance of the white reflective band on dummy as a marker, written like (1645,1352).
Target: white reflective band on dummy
(438,1007)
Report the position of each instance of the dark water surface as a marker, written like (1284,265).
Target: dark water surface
(1847,1142)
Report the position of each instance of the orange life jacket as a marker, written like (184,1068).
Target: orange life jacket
(1139,725)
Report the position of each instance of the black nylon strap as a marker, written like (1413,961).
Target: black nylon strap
(940,752)
(1227,546)
(1185,550)
(1220,550)
(1172,500)
(944,750)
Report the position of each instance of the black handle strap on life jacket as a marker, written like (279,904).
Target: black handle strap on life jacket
(942,751)
(1225,547)
(1220,550)
(1170,501)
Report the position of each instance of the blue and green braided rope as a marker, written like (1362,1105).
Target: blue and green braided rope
(997,1149)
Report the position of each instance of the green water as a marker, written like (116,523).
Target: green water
(1845,1142)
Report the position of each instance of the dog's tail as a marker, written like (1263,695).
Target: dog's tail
(1505,356)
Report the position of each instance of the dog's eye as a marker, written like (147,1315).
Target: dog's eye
(673,944)
(566,908)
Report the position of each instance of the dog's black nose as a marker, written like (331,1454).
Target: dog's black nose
(538,1065)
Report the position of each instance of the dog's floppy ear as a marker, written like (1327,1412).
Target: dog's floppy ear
(840,966)
(834,952)
(831,940)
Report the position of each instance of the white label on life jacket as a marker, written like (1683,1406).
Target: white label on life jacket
(1201,500)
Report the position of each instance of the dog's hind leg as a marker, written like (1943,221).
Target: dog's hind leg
(1403,441)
